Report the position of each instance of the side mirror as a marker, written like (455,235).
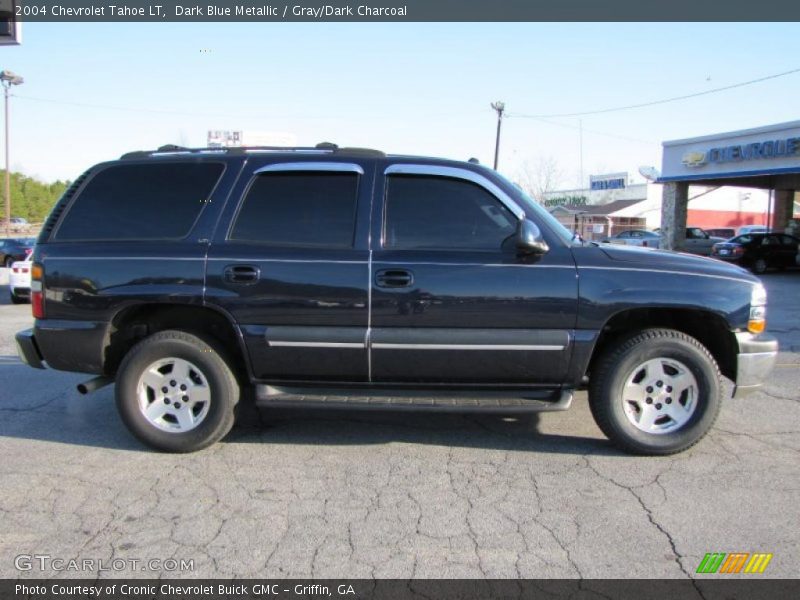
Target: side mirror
(529,238)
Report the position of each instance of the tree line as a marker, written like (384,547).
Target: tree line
(31,199)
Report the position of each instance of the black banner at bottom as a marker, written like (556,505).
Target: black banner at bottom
(734,588)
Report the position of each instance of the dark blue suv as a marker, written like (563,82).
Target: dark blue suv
(336,277)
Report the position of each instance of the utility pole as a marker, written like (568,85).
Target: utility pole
(580,142)
(7,78)
(499,107)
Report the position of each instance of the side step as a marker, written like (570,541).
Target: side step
(514,401)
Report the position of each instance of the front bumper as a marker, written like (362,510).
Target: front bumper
(28,350)
(756,358)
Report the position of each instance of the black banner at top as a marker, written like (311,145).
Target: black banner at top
(402,10)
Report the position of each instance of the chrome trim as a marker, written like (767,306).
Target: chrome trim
(45,258)
(470,264)
(292,260)
(317,344)
(388,346)
(457,173)
(311,166)
(666,271)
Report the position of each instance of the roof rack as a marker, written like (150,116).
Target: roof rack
(321,148)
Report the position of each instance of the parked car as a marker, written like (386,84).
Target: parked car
(752,229)
(699,241)
(14,249)
(760,251)
(725,233)
(19,281)
(635,237)
(346,278)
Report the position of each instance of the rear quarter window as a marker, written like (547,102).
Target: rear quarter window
(140,202)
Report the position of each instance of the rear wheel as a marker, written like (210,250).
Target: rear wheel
(656,392)
(175,392)
(759,266)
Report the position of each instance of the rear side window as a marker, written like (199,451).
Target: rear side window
(442,213)
(302,208)
(140,202)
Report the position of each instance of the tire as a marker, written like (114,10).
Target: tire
(201,392)
(759,266)
(663,419)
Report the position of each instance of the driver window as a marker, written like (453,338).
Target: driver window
(443,213)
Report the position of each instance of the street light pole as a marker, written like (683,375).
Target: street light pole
(499,107)
(7,78)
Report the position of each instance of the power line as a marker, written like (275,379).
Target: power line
(596,132)
(655,102)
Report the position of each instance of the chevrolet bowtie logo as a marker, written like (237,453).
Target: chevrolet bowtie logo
(694,159)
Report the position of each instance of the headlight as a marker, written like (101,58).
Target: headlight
(758,309)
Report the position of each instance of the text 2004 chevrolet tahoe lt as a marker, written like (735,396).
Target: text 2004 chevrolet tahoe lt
(350,278)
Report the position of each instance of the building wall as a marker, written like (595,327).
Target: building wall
(708,207)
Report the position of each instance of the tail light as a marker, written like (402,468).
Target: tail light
(28,252)
(738,250)
(37,291)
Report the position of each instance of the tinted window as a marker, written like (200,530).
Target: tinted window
(443,213)
(299,209)
(788,240)
(144,201)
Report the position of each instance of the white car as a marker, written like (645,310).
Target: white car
(19,281)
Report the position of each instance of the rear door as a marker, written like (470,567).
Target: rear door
(452,302)
(289,262)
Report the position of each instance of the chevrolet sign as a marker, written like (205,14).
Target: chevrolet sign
(768,149)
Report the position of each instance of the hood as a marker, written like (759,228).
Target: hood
(663,260)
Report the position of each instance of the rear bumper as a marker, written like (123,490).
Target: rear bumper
(76,346)
(755,361)
(28,350)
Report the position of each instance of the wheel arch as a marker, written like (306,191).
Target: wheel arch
(706,326)
(135,322)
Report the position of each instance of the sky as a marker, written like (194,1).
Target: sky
(95,91)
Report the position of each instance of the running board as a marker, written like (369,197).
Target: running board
(515,401)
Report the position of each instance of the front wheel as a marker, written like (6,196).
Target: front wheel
(175,392)
(656,392)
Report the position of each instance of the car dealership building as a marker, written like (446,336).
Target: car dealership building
(766,158)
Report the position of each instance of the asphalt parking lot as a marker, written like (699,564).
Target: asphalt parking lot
(313,494)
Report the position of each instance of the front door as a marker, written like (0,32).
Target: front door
(289,263)
(452,302)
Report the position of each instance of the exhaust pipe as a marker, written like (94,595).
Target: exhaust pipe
(87,387)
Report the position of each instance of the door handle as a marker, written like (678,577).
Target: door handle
(394,278)
(244,274)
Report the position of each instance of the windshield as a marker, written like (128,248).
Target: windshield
(532,207)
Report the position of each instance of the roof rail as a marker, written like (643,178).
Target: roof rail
(321,148)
